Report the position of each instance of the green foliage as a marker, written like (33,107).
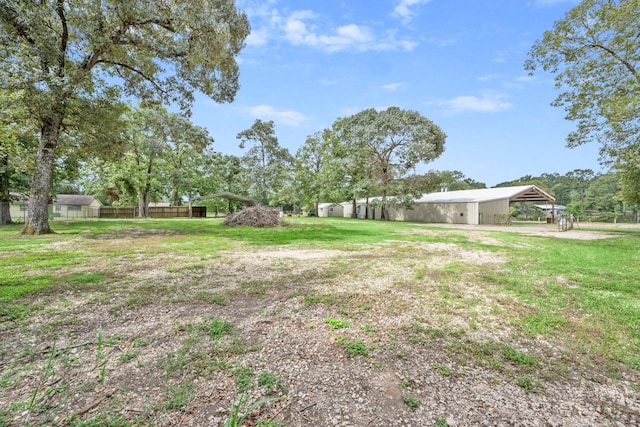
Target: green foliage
(266,163)
(593,51)
(411,402)
(441,422)
(336,323)
(64,72)
(353,348)
(240,411)
(244,377)
(215,328)
(101,420)
(271,382)
(178,397)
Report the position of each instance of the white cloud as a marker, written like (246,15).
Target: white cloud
(300,30)
(267,112)
(258,37)
(489,102)
(488,77)
(392,87)
(404,9)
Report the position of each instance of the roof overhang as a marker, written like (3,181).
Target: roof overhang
(532,194)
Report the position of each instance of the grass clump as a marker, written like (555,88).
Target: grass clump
(353,348)
(336,323)
(411,402)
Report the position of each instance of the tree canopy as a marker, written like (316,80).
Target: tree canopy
(594,53)
(393,142)
(67,57)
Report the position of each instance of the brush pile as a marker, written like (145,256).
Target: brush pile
(255,216)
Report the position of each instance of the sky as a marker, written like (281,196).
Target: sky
(458,63)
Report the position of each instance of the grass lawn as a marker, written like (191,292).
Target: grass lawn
(486,297)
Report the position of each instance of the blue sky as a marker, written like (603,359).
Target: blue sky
(457,62)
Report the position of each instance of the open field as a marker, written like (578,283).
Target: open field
(325,322)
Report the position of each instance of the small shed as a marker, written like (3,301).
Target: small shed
(330,209)
(76,206)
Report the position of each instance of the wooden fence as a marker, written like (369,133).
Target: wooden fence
(154,212)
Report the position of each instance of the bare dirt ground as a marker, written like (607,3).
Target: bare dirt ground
(364,337)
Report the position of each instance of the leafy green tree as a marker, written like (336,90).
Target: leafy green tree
(628,171)
(266,164)
(345,171)
(309,160)
(396,141)
(69,57)
(17,142)
(594,53)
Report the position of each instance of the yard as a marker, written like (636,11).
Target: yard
(325,322)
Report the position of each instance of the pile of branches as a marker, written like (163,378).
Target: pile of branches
(255,216)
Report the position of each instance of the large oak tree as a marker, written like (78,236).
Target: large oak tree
(65,54)
(394,142)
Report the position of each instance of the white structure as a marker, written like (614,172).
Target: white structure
(482,206)
(330,209)
(548,208)
(76,206)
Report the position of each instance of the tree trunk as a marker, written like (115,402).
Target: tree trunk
(143,203)
(383,214)
(38,214)
(5,197)
(354,214)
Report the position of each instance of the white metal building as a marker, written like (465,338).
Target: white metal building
(482,206)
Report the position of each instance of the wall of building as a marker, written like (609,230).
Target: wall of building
(487,211)
(451,213)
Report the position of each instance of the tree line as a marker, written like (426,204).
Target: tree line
(69,71)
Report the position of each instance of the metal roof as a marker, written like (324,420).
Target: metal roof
(523,193)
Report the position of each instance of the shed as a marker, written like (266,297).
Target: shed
(76,206)
(330,209)
(479,206)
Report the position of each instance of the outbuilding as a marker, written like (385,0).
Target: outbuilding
(481,206)
(330,209)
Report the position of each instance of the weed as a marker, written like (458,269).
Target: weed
(406,384)
(336,323)
(368,328)
(179,396)
(48,371)
(236,418)
(271,382)
(101,420)
(519,357)
(441,422)
(141,342)
(243,376)
(353,348)
(411,402)
(526,383)
(128,356)
(215,328)
(267,423)
(442,370)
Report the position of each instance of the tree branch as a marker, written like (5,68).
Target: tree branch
(64,39)
(615,55)
(10,16)
(133,69)
(94,57)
